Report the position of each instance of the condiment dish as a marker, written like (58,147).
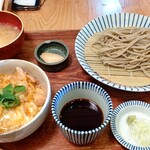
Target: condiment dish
(130,123)
(82,90)
(52,55)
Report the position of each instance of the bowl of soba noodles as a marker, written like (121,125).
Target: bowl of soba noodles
(11,35)
(25,97)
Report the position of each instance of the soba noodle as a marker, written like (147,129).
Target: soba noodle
(127,48)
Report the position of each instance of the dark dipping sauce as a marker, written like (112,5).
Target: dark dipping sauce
(81,115)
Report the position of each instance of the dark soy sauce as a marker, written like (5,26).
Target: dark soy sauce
(81,115)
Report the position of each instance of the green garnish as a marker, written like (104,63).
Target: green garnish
(8,97)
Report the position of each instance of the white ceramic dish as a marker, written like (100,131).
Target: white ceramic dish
(119,126)
(99,24)
(8,66)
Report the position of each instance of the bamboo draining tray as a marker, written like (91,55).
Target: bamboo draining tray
(113,74)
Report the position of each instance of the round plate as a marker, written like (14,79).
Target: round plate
(119,125)
(99,24)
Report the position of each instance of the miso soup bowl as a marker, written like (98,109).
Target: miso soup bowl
(14,47)
(7,67)
(84,90)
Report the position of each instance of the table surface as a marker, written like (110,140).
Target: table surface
(74,14)
(48,136)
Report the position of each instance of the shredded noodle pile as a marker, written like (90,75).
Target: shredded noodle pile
(126,47)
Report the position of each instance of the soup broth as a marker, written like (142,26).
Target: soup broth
(81,114)
(7,33)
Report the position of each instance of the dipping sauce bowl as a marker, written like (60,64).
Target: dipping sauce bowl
(52,55)
(81,96)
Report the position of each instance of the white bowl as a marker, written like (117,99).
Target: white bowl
(8,66)
(86,90)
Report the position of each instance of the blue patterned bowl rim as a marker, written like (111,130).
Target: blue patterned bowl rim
(74,85)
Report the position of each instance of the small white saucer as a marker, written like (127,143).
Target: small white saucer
(119,124)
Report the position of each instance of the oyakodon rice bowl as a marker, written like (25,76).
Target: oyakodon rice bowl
(25,95)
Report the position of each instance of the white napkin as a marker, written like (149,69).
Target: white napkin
(1,4)
(25,2)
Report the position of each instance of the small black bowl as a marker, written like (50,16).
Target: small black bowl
(53,47)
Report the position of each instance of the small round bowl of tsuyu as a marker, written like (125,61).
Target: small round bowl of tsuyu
(81,110)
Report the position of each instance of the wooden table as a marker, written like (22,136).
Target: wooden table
(48,136)
(74,14)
